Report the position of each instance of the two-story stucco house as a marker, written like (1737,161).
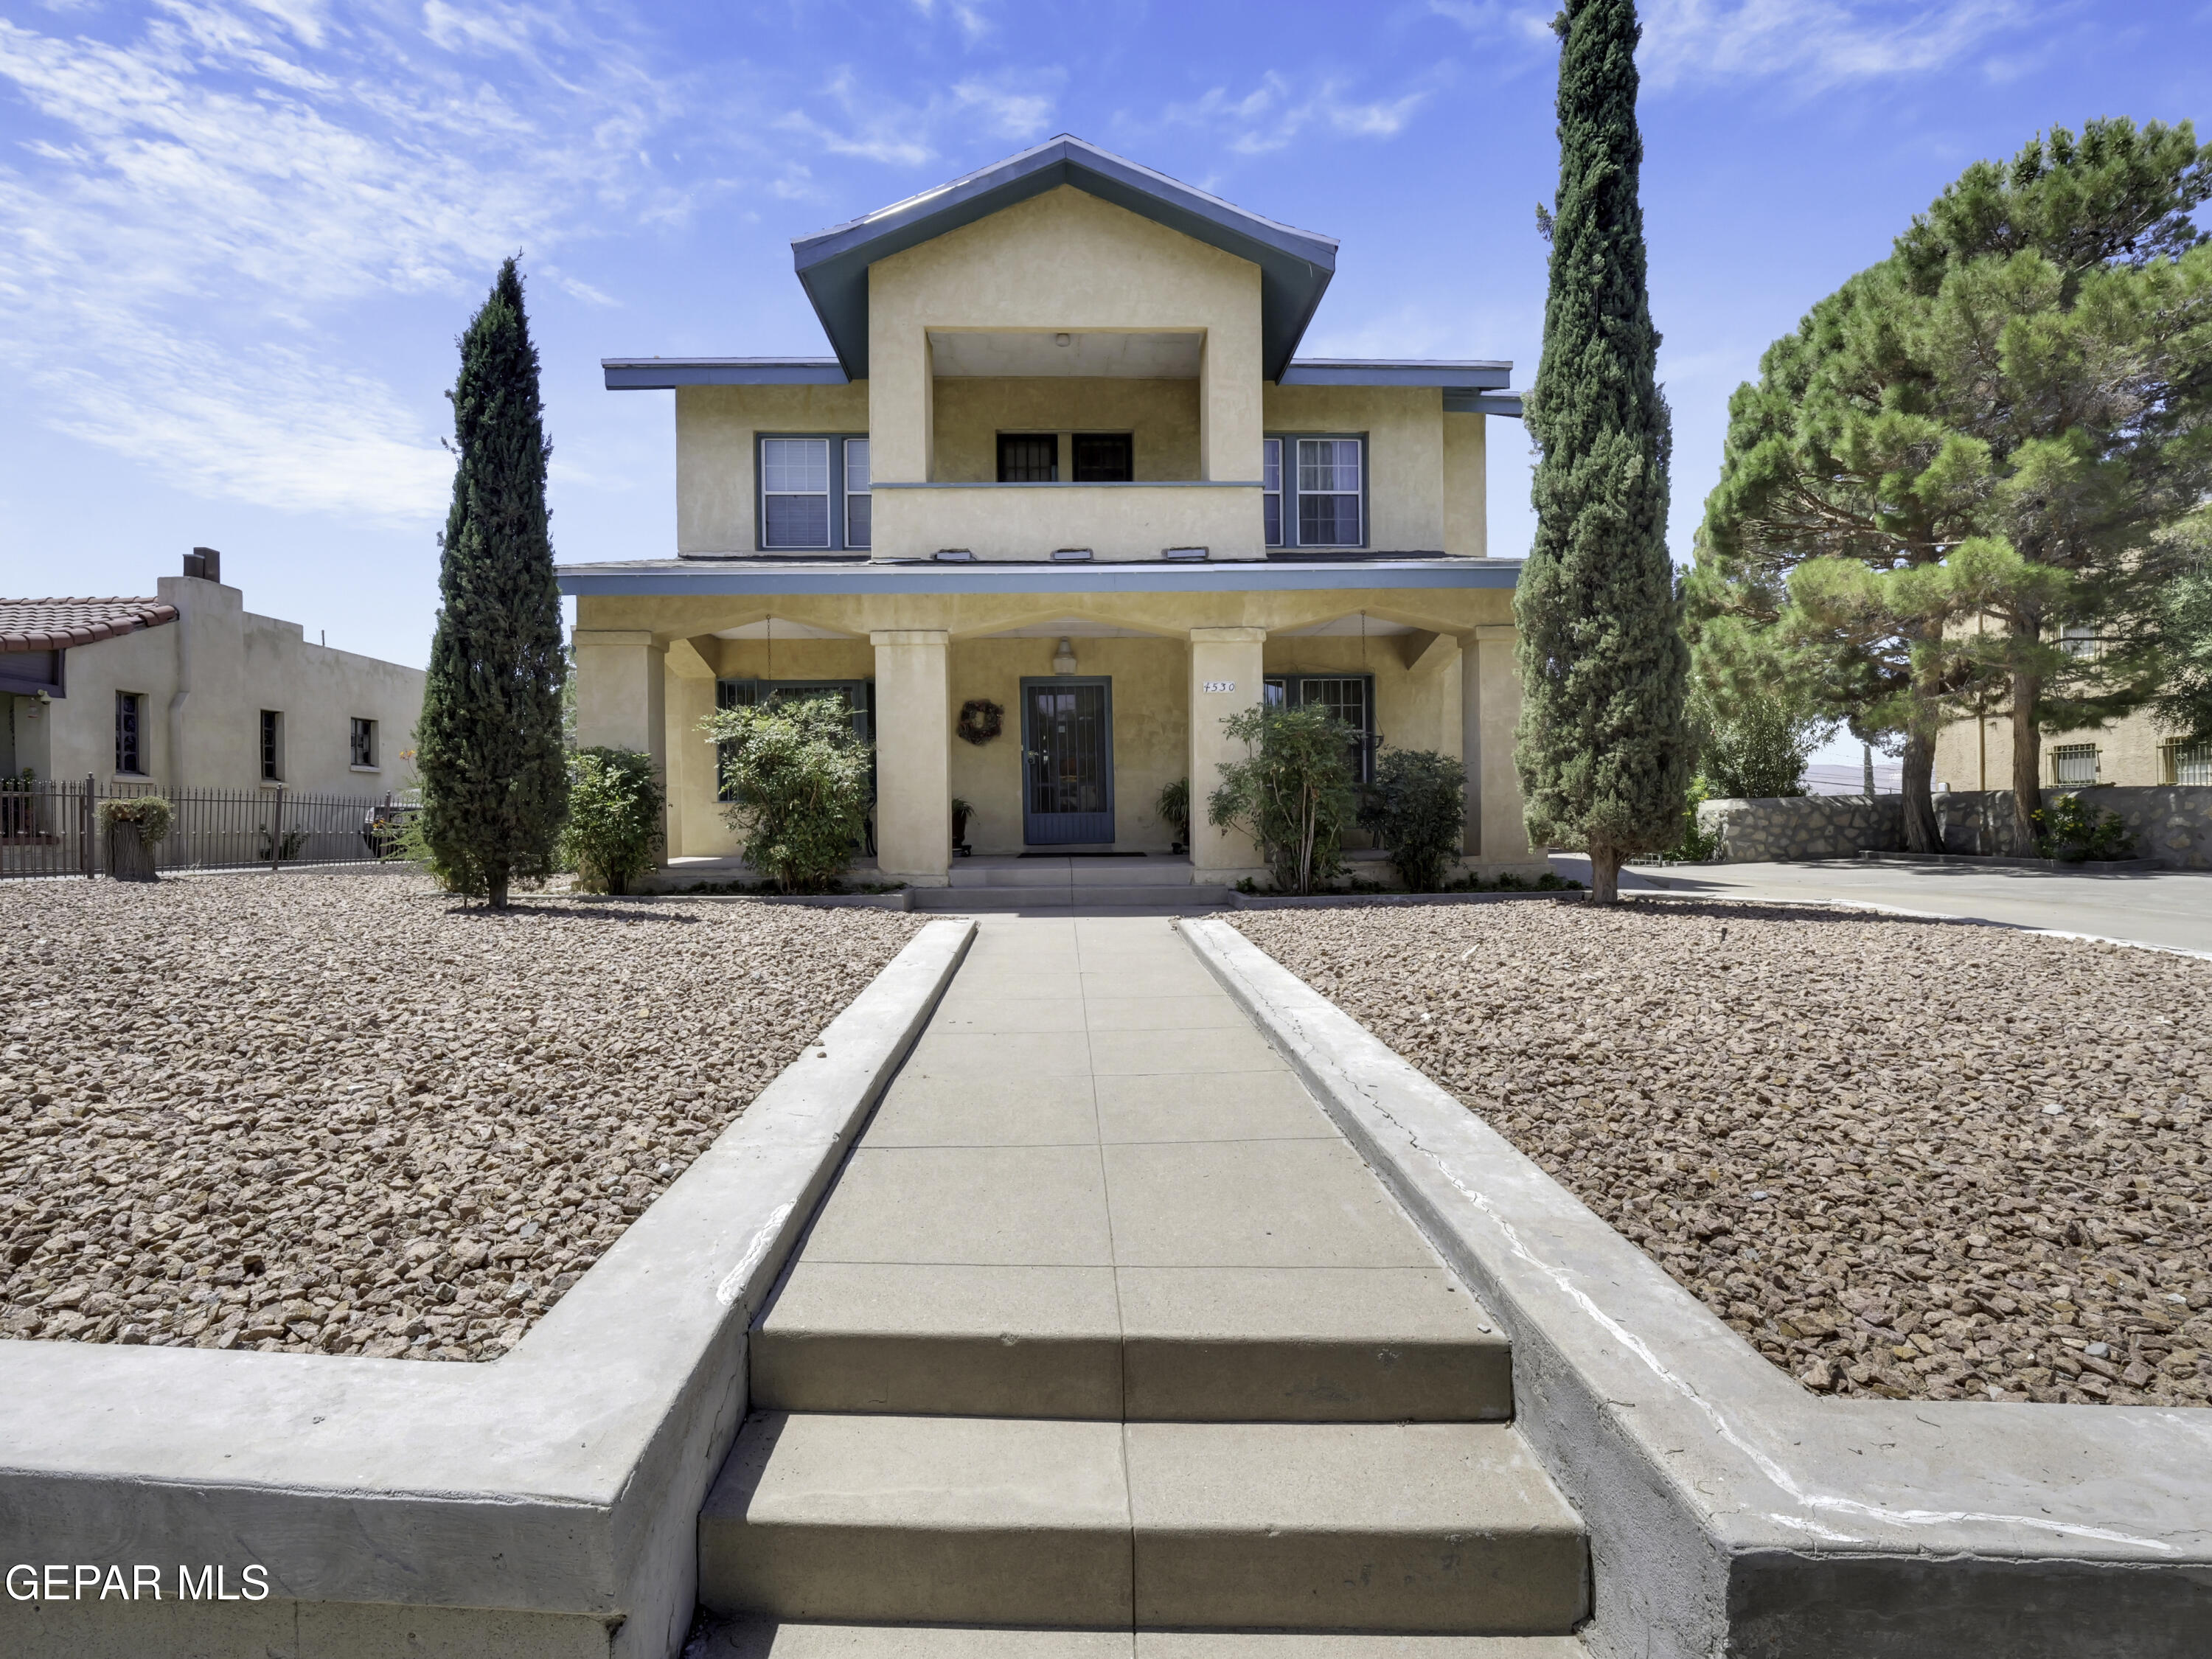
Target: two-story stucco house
(1066,461)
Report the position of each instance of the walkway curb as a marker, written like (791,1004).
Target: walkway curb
(1729,1511)
(544,1505)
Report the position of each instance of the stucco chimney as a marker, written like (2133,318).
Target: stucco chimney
(205,563)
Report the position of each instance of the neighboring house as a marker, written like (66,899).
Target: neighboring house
(1066,461)
(192,690)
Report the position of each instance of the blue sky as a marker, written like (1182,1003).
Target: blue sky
(237,238)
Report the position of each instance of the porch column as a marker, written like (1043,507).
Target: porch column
(914,762)
(1224,678)
(1490,707)
(621,691)
(692,785)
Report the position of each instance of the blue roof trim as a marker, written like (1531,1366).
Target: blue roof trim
(1481,403)
(651,578)
(1479,376)
(659,374)
(1295,265)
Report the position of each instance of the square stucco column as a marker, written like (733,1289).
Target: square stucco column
(690,775)
(902,387)
(1490,707)
(622,691)
(1225,679)
(914,761)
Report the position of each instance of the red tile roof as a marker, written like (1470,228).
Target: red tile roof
(57,624)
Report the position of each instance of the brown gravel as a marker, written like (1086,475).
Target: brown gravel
(1914,1159)
(341,1113)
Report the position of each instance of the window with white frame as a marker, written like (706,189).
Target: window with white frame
(2074,763)
(2078,639)
(794,474)
(2187,763)
(858,503)
(1314,491)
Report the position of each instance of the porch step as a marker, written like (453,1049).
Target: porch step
(1002,871)
(1446,1527)
(768,1638)
(1157,896)
(1208,1344)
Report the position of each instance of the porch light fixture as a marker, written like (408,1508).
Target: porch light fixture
(1185,553)
(954,556)
(1071,555)
(1063,660)
(1063,339)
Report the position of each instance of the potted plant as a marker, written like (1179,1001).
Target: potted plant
(962,811)
(1174,808)
(133,827)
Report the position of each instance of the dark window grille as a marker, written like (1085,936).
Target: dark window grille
(1028,458)
(364,742)
(130,708)
(1104,458)
(858,695)
(1349,697)
(272,745)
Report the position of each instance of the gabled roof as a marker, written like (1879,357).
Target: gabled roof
(1295,265)
(57,624)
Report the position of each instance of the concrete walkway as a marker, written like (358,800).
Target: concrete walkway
(2168,907)
(1106,1336)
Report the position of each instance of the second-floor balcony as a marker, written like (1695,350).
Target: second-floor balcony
(1104,521)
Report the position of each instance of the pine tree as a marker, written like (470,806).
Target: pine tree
(1604,751)
(494,788)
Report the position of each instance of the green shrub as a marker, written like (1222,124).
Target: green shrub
(2072,831)
(615,810)
(1697,846)
(150,813)
(799,783)
(1417,808)
(1173,806)
(1292,794)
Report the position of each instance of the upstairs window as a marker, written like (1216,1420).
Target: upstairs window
(814,492)
(129,725)
(1314,491)
(2078,639)
(1028,458)
(363,745)
(272,746)
(1104,458)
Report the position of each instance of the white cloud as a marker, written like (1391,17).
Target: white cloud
(1817,43)
(966,15)
(1493,20)
(876,128)
(1276,112)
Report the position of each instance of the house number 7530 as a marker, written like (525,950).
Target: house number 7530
(1221,685)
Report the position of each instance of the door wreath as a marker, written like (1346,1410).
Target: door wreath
(982,720)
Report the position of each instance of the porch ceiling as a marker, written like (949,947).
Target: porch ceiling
(779,627)
(1356,625)
(1034,353)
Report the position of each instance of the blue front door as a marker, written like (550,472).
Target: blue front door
(1068,761)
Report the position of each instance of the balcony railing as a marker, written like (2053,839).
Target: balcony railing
(1115,522)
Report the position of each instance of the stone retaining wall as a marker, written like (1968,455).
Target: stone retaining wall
(2171,823)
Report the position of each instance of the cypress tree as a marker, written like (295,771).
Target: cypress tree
(1604,750)
(495,788)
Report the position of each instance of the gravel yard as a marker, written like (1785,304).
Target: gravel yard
(1914,1159)
(340,1112)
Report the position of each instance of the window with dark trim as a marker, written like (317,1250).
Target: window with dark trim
(858,695)
(813,491)
(129,721)
(1028,458)
(1104,458)
(362,745)
(1349,697)
(1314,489)
(272,746)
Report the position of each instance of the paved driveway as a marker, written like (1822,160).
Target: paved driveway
(2171,908)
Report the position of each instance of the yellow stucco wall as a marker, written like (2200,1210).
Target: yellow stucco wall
(1404,428)
(2129,751)
(716,426)
(1417,681)
(1161,417)
(1064,259)
(1467,485)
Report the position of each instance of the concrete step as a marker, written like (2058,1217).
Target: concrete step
(1071,873)
(1167,1343)
(1156,896)
(768,1638)
(1451,1528)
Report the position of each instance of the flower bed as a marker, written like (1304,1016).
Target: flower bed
(1906,1158)
(341,1113)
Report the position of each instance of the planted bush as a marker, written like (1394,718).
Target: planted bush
(1292,794)
(799,784)
(134,826)
(1173,806)
(2072,831)
(616,809)
(1417,807)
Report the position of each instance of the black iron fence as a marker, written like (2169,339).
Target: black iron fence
(52,827)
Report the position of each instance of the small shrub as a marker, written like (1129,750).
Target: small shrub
(1292,794)
(1697,846)
(1417,808)
(2072,831)
(800,782)
(962,811)
(149,815)
(1173,806)
(615,810)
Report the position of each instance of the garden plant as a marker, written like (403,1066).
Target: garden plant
(799,784)
(1292,794)
(1416,808)
(617,808)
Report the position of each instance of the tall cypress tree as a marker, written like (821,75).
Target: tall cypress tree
(495,788)
(1604,750)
